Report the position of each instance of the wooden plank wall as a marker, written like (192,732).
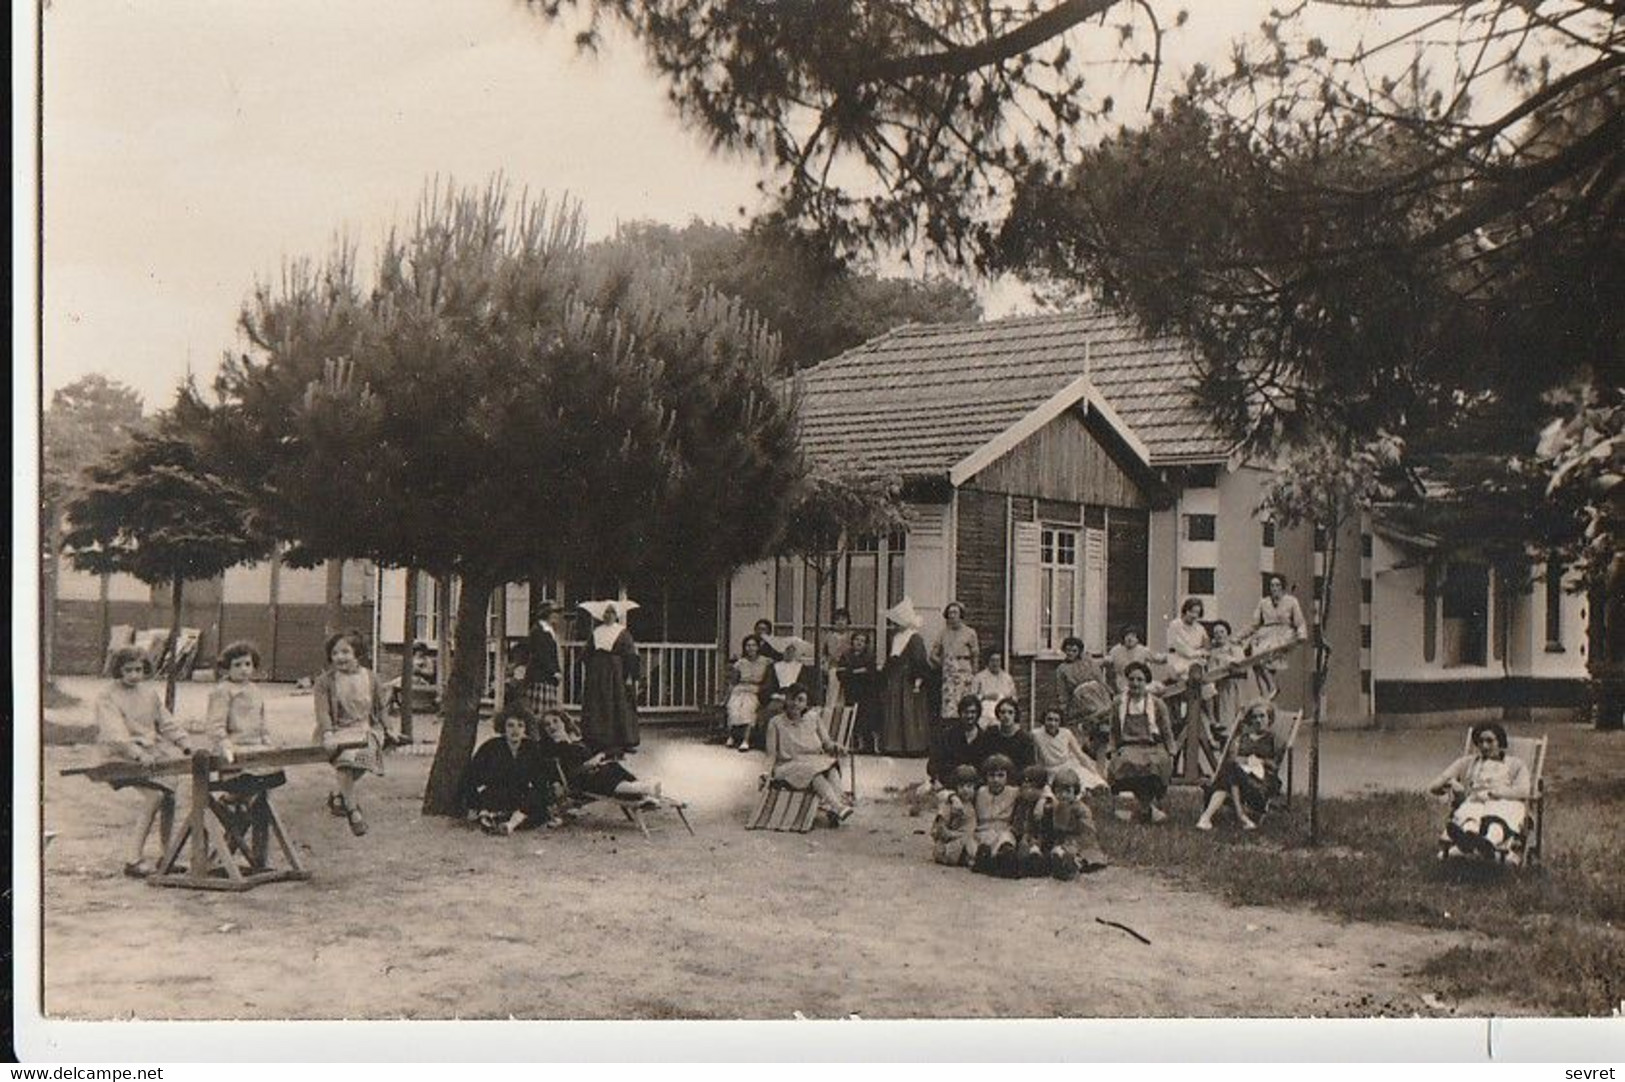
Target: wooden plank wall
(1065,460)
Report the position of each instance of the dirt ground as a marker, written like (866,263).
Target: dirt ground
(425,918)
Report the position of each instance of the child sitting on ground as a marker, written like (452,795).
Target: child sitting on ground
(135,726)
(1069,830)
(953,834)
(995,801)
(1027,821)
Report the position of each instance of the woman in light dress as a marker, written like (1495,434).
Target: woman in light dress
(1277,620)
(801,755)
(992,684)
(1491,791)
(956,652)
(746,675)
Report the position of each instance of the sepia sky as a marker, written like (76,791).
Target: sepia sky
(192,145)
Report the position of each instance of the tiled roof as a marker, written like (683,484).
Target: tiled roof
(920,398)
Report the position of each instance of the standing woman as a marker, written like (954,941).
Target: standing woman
(837,641)
(956,653)
(860,684)
(1188,646)
(544,669)
(1142,745)
(609,714)
(906,728)
(1278,620)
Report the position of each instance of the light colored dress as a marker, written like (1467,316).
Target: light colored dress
(1276,625)
(744,698)
(1227,692)
(350,706)
(993,812)
(1490,809)
(957,652)
(235,720)
(796,749)
(953,832)
(991,688)
(134,720)
(1063,749)
(1187,646)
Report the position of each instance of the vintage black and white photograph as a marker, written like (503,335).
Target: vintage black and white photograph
(829,509)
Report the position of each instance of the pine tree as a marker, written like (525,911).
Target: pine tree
(501,404)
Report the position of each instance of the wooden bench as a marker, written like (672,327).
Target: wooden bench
(1196,757)
(233,828)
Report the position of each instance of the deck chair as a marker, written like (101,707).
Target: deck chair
(781,808)
(1285,729)
(1532,750)
(633,808)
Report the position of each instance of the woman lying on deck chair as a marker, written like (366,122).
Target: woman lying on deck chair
(1491,792)
(587,770)
(508,783)
(801,755)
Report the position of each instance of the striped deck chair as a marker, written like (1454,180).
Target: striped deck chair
(1285,729)
(796,810)
(1532,750)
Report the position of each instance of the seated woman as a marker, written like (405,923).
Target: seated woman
(587,769)
(1142,746)
(793,669)
(1491,790)
(800,754)
(508,783)
(1058,749)
(1247,777)
(991,684)
(135,726)
(1011,739)
(958,743)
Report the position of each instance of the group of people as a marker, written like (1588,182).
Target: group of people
(1011,798)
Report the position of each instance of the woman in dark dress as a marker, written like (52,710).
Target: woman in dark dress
(609,715)
(860,684)
(907,721)
(587,769)
(507,784)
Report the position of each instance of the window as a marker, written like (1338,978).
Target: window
(1554,607)
(896,548)
(1201,527)
(1269,534)
(1320,539)
(425,628)
(1365,544)
(1465,608)
(862,586)
(1058,586)
(1200,580)
(1202,477)
(1365,636)
(1365,591)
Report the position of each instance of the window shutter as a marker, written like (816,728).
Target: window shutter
(517,597)
(1024,586)
(925,563)
(1094,590)
(391,605)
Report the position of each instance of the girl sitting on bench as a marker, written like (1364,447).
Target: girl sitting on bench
(135,725)
(349,704)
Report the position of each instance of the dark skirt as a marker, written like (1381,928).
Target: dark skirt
(1256,793)
(1141,769)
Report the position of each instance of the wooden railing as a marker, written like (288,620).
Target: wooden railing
(677,677)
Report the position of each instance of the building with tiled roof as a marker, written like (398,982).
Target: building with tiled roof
(922,398)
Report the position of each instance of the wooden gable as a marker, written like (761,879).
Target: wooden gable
(1075,458)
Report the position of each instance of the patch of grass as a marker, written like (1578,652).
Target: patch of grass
(1558,945)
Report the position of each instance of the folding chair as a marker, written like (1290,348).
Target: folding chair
(632,807)
(1285,730)
(796,810)
(1532,750)
(845,725)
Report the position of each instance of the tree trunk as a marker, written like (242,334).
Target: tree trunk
(172,649)
(460,707)
(408,640)
(1323,663)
